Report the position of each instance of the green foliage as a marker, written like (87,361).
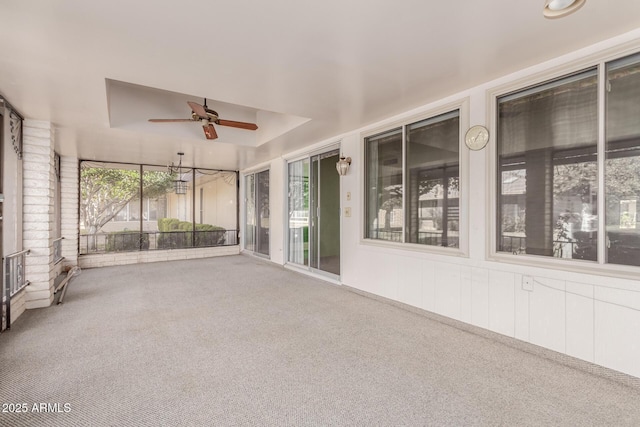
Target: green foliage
(105,191)
(511,224)
(623,177)
(622,180)
(210,235)
(575,179)
(208,227)
(168,224)
(176,234)
(299,192)
(121,241)
(162,224)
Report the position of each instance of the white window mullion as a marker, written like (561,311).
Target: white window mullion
(602,96)
(405,183)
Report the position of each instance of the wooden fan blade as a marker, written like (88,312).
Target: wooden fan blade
(234,124)
(169,120)
(210,131)
(198,109)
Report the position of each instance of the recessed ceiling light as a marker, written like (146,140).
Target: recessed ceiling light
(560,8)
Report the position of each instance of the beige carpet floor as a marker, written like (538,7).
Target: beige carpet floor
(235,341)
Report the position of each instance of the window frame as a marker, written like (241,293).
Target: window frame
(146,209)
(141,168)
(243,214)
(462,106)
(316,150)
(598,61)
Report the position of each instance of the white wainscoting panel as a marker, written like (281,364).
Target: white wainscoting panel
(617,330)
(547,310)
(409,281)
(447,290)
(580,321)
(522,313)
(480,297)
(428,286)
(502,302)
(466,293)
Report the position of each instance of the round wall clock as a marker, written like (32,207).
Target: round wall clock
(476,137)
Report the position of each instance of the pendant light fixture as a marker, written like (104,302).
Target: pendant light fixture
(179,185)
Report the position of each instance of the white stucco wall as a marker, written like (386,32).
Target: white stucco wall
(593,317)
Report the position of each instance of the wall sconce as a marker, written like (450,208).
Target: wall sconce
(559,8)
(342,166)
(179,185)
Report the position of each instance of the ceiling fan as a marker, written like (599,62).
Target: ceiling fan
(206,116)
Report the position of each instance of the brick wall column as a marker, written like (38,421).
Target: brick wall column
(69,182)
(38,211)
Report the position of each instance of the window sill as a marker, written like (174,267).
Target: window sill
(414,247)
(570,265)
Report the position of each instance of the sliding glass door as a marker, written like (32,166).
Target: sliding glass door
(262,212)
(314,213)
(299,212)
(256,236)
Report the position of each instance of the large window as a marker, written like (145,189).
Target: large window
(547,145)
(384,186)
(433,181)
(412,180)
(622,164)
(134,207)
(550,200)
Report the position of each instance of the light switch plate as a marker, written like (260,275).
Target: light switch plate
(347,212)
(527,283)
(348,195)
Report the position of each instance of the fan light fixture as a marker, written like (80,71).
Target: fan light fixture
(207,117)
(179,185)
(559,8)
(342,165)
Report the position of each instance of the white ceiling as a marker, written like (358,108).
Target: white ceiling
(131,106)
(341,64)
